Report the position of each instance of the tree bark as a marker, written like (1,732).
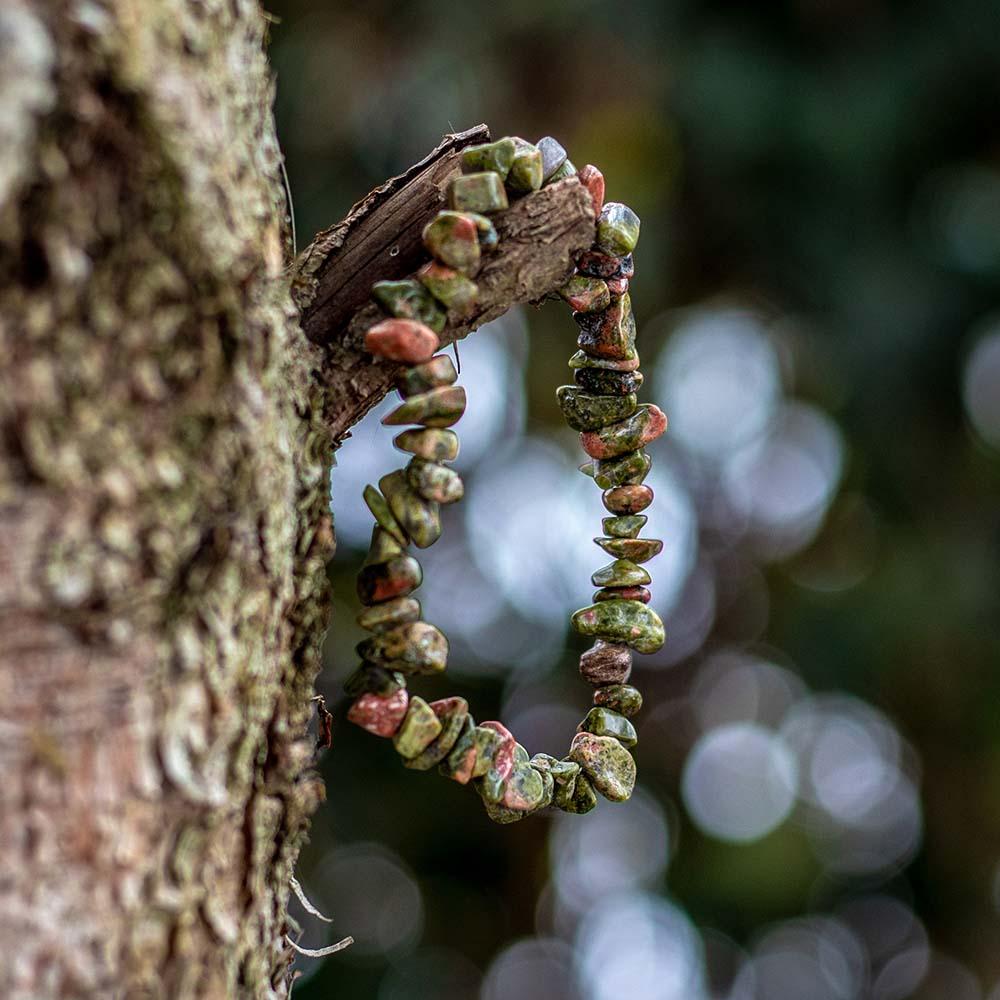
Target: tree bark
(166,432)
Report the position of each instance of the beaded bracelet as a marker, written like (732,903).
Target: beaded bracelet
(614,429)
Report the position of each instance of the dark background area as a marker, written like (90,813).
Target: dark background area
(817,290)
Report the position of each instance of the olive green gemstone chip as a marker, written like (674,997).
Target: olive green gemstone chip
(627,499)
(629,622)
(450,287)
(412,648)
(452,713)
(617,230)
(379,507)
(488,238)
(383,547)
(453,239)
(566,170)
(434,445)
(638,550)
(420,727)
(472,755)
(369,679)
(434,482)
(619,698)
(385,581)
(607,764)
(497,157)
(641,428)
(606,722)
(601,382)
(610,333)
(585,295)
(408,299)
(526,171)
(585,412)
(630,469)
(439,407)
(420,518)
(624,526)
(525,789)
(629,363)
(389,614)
(415,379)
(620,573)
(578,797)
(481,192)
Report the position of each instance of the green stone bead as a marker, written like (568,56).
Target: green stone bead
(562,771)
(439,407)
(625,470)
(630,622)
(482,192)
(434,482)
(577,798)
(383,547)
(420,518)
(526,171)
(626,526)
(420,727)
(408,299)
(606,722)
(619,698)
(637,550)
(453,713)
(620,573)
(383,515)
(566,170)
(382,617)
(621,594)
(607,764)
(629,363)
(583,294)
(617,230)
(635,432)
(491,785)
(488,238)
(525,789)
(601,382)
(450,287)
(385,581)
(415,379)
(588,469)
(584,412)
(497,157)
(374,680)
(412,648)
(501,814)
(609,333)
(453,239)
(472,755)
(434,445)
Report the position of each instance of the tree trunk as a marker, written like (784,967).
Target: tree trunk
(166,432)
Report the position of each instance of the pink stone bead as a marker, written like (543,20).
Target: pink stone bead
(617,286)
(503,758)
(380,714)
(593,180)
(403,340)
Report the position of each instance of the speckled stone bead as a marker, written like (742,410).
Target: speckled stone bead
(420,518)
(453,239)
(376,680)
(553,155)
(624,526)
(525,789)
(606,663)
(420,727)
(440,370)
(630,622)
(639,429)
(627,499)
(602,265)
(622,594)
(383,515)
(593,180)
(488,237)
(562,771)
(497,157)
(385,581)
(617,287)
(439,407)
(607,764)
(482,192)
(526,171)
(638,550)
(383,547)
(434,482)
(379,714)
(499,813)
(620,573)
(389,614)
(585,295)
(626,469)
(408,299)
(584,412)
(577,798)
(412,648)
(603,721)
(617,229)
(472,755)
(608,334)
(600,382)
(566,170)
(450,287)
(434,445)
(403,340)
(619,698)
(503,756)
(629,363)
(452,713)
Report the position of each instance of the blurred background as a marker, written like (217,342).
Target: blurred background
(818,296)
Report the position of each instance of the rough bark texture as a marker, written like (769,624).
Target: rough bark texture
(166,432)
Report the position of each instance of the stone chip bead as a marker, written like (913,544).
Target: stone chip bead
(624,525)
(637,550)
(452,713)
(433,444)
(472,755)
(453,239)
(408,299)
(578,798)
(622,594)
(383,547)
(420,518)
(526,171)
(607,764)
(434,482)
(593,180)
(389,614)
(609,333)
(585,295)
(488,237)
(412,648)
(439,407)
(420,727)
(384,517)
(629,622)
(384,581)
(502,763)
(619,698)
(626,469)
(482,192)
(553,156)
(440,370)
(403,340)
(586,412)
(525,789)
(627,499)
(566,170)
(450,287)
(377,680)
(606,663)
(602,265)
(620,573)
(638,429)
(629,363)
(603,721)
(380,714)
(497,157)
(617,230)
(602,382)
